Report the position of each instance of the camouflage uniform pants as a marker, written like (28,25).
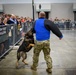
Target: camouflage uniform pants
(45,47)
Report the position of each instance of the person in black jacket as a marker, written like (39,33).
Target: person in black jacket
(42,28)
(12,20)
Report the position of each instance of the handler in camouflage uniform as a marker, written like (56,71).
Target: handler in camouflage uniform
(42,29)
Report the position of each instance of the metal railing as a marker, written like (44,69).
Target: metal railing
(10,35)
(66,25)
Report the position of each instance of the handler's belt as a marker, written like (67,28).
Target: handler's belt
(40,42)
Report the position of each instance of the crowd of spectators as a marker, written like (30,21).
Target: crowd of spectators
(64,23)
(13,19)
(6,19)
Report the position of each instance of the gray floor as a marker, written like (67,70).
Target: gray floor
(63,53)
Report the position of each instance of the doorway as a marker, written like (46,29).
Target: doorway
(1,14)
(47,14)
(74,15)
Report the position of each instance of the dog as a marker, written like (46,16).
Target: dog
(25,47)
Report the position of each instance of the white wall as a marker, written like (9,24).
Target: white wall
(36,1)
(44,6)
(74,6)
(62,10)
(18,9)
(55,1)
(1,8)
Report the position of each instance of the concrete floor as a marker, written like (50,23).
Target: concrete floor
(63,53)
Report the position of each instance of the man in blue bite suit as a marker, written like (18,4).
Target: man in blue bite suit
(42,28)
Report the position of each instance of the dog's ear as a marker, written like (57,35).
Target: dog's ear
(29,33)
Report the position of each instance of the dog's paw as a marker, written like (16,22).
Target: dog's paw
(26,63)
(16,67)
(31,44)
